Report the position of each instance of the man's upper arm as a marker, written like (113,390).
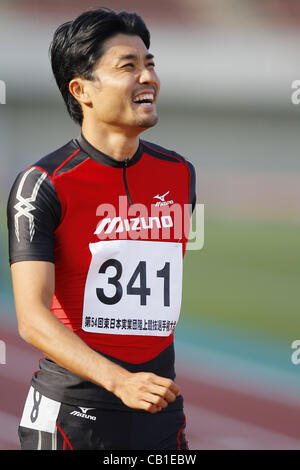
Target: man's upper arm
(33,285)
(33,213)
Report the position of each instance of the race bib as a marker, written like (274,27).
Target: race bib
(133,288)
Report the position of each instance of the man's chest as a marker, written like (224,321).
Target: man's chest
(138,203)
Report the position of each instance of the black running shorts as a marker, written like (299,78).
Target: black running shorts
(47,424)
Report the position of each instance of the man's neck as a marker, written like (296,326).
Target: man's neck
(111,142)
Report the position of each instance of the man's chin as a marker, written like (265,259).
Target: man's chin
(146,122)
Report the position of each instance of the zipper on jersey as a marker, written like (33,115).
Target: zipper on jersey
(125,181)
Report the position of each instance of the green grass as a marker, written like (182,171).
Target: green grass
(246,277)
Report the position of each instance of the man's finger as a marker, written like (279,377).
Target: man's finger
(155,400)
(163,392)
(168,383)
(150,407)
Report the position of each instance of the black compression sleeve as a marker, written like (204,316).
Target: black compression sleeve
(33,213)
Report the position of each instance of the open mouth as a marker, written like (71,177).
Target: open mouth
(144,98)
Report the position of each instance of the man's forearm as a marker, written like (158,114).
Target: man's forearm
(137,390)
(65,348)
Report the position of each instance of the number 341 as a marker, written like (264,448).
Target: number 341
(139,274)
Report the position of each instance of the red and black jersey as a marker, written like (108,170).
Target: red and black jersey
(117,234)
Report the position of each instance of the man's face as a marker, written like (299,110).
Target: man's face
(126,88)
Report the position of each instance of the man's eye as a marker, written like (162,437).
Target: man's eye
(128,65)
(151,64)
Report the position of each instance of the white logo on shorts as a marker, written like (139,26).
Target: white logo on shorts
(83,413)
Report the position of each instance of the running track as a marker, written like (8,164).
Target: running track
(220,414)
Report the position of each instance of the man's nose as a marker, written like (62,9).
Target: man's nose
(146,76)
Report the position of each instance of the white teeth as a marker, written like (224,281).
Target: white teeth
(146,96)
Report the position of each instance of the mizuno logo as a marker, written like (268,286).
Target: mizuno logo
(84,413)
(24,206)
(85,410)
(136,223)
(162,200)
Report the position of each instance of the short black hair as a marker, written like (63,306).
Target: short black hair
(77,45)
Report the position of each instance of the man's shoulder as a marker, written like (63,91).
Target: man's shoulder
(30,178)
(52,161)
(163,153)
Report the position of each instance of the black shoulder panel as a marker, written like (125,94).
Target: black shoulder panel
(157,151)
(160,152)
(33,213)
(63,159)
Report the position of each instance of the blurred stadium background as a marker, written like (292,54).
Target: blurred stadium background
(226,68)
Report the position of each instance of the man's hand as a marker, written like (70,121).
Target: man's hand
(146,391)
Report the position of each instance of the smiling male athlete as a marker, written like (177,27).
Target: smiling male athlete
(97,291)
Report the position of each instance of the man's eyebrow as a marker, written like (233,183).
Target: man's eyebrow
(134,57)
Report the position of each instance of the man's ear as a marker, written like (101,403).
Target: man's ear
(78,88)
